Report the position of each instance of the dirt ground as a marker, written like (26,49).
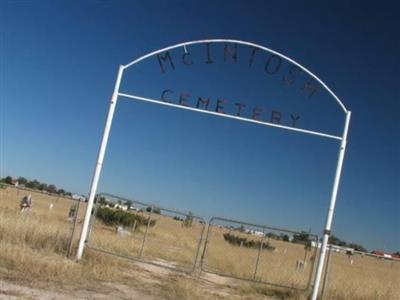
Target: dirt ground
(34,263)
(209,285)
(12,291)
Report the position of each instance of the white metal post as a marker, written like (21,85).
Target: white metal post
(97,170)
(327,231)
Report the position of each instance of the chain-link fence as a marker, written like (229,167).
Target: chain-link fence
(259,253)
(47,221)
(145,232)
(357,275)
(173,239)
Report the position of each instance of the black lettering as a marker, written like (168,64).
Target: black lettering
(208,49)
(290,78)
(183,98)
(230,51)
(294,118)
(256,113)
(220,106)
(203,101)
(166,56)
(276,117)
(253,53)
(310,88)
(273,60)
(239,106)
(163,95)
(184,59)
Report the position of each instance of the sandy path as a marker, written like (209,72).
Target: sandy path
(10,291)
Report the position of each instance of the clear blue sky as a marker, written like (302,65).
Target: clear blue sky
(58,67)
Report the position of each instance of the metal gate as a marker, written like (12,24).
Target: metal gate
(259,253)
(146,233)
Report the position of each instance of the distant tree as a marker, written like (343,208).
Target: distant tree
(302,237)
(129,203)
(241,228)
(52,189)
(22,180)
(284,237)
(8,180)
(272,235)
(156,210)
(102,201)
(34,184)
(61,191)
(357,247)
(188,220)
(69,194)
(42,187)
(334,240)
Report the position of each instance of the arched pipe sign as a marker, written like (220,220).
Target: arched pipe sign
(162,56)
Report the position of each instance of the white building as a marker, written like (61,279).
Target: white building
(316,244)
(255,232)
(121,206)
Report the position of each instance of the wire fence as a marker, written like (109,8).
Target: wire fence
(147,233)
(358,275)
(178,240)
(166,237)
(259,253)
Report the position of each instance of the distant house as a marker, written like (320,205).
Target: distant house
(14,182)
(389,256)
(377,253)
(395,256)
(121,206)
(339,249)
(382,254)
(255,232)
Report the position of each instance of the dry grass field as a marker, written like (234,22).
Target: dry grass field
(277,266)
(34,246)
(367,278)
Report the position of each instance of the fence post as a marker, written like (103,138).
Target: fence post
(258,255)
(329,217)
(99,164)
(205,244)
(327,271)
(145,233)
(71,241)
(92,218)
(198,246)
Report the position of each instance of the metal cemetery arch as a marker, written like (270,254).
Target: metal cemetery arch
(116,93)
